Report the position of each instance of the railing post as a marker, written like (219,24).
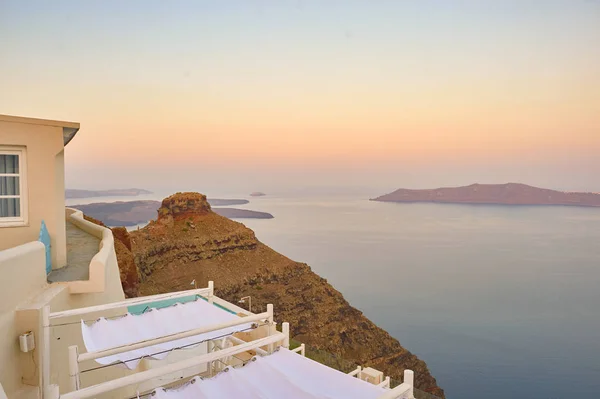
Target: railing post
(270,325)
(285,329)
(74,368)
(45,352)
(211,292)
(303,350)
(385,383)
(355,372)
(209,349)
(409,379)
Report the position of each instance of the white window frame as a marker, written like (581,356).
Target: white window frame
(22,220)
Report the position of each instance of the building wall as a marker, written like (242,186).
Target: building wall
(45,177)
(21,304)
(60,240)
(23,268)
(60,296)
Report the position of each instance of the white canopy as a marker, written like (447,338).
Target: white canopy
(283,374)
(110,333)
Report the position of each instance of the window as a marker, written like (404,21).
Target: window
(13,193)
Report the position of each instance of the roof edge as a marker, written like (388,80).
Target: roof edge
(36,121)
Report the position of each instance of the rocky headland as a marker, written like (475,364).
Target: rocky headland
(190,241)
(131,213)
(498,194)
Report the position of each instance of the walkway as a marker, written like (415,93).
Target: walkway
(81,248)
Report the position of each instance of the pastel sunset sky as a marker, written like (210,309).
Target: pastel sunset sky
(225,96)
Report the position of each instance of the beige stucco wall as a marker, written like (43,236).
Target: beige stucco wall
(24,268)
(103,287)
(59,239)
(45,186)
(21,304)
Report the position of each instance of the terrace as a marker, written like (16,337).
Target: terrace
(89,249)
(196,349)
(81,248)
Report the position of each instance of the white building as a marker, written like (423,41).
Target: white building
(69,332)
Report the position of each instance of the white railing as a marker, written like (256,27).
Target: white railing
(143,376)
(404,390)
(301,349)
(173,337)
(385,383)
(358,374)
(75,358)
(208,292)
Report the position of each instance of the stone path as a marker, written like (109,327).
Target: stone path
(81,248)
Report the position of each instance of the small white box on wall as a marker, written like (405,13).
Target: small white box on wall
(27,342)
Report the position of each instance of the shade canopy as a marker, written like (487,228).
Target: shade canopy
(283,374)
(154,323)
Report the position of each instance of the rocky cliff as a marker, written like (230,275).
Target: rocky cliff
(501,194)
(188,241)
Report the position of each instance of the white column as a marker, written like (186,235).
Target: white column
(285,329)
(45,352)
(209,349)
(211,292)
(409,379)
(270,326)
(74,368)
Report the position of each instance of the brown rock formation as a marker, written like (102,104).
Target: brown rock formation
(181,205)
(500,194)
(189,241)
(126,261)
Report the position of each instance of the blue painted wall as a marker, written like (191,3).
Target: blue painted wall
(45,239)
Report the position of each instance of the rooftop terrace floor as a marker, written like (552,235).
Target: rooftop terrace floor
(81,248)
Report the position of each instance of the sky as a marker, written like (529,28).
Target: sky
(231,96)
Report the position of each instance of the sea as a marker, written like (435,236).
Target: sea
(499,301)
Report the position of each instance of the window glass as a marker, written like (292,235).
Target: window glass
(12,187)
(10,207)
(9,163)
(9,185)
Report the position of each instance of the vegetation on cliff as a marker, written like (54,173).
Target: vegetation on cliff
(189,241)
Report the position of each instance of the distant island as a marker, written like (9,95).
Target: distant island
(257,194)
(123,192)
(498,194)
(226,202)
(131,213)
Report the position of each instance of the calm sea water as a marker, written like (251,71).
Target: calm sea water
(501,302)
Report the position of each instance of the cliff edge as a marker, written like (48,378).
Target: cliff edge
(189,241)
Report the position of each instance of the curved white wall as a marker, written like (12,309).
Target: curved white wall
(100,264)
